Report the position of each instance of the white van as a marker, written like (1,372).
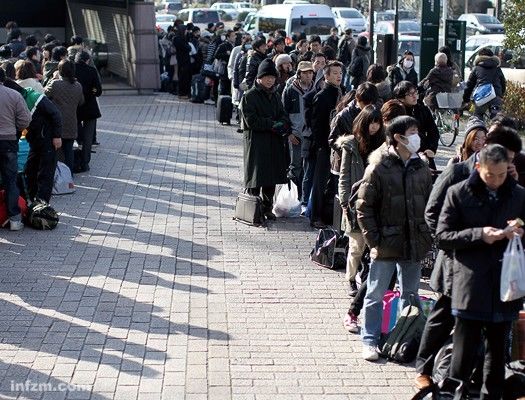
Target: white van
(310,19)
(200,17)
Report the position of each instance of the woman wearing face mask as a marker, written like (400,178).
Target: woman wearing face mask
(403,71)
(390,212)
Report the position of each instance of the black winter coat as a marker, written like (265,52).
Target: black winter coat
(91,87)
(266,156)
(486,70)
(223,51)
(46,123)
(441,278)
(341,125)
(332,42)
(477,265)
(254,59)
(398,74)
(428,130)
(359,65)
(322,107)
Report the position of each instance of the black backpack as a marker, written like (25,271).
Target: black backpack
(41,216)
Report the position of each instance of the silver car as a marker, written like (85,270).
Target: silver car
(349,18)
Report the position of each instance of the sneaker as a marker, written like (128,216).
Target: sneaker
(352,290)
(95,144)
(351,323)
(303,211)
(209,101)
(369,353)
(15,225)
(423,381)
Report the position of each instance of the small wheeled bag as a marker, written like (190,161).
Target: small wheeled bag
(249,209)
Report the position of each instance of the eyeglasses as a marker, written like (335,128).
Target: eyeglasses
(412,93)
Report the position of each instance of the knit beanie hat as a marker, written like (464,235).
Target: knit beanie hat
(474,123)
(266,67)
(362,41)
(281,59)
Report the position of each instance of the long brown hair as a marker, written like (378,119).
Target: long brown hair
(361,130)
(466,148)
(345,100)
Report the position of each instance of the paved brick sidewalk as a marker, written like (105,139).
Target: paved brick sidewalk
(148,289)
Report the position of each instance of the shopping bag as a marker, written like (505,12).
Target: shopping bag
(512,285)
(63,182)
(287,203)
(390,310)
(483,94)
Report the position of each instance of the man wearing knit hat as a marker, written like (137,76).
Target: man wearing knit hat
(293,99)
(266,129)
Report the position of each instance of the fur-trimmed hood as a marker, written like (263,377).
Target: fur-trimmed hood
(487,61)
(348,142)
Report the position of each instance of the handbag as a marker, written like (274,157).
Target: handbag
(512,284)
(483,94)
(249,209)
(219,67)
(330,249)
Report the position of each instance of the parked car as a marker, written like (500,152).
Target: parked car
(406,27)
(477,41)
(512,67)
(384,16)
(171,6)
(405,14)
(482,23)
(228,8)
(243,6)
(200,17)
(249,22)
(310,19)
(349,18)
(162,21)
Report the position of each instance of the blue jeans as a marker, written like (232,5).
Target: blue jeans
(8,171)
(409,274)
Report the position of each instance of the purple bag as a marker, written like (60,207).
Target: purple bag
(390,310)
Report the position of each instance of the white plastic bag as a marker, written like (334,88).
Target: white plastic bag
(63,183)
(512,286)
(287,203)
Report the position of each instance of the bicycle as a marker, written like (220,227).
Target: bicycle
(447,116)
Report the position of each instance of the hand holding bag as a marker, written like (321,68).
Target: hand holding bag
(512,285)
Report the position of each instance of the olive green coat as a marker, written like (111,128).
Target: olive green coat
(266,156)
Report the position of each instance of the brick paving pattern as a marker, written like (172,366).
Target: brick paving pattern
(149,290)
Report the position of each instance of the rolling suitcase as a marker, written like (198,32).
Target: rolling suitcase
(224,109)
(197,88)
(249,210)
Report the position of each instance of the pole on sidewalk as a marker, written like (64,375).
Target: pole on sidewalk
(371,27)
(445,16)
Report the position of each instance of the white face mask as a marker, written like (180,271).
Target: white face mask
(247,46)
(407,64)
(414,143)
(223,38)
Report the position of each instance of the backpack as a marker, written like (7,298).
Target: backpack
(514,380)
(330,249)
(402,343)
(42,216)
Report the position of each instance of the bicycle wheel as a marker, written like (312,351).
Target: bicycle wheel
(447,127)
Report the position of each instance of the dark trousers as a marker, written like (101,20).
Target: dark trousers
(67,149)
(467,338)
(86,130)
(437,331)
(225,87)
(184,80)
(324,188)
(8,172)
(40,169)
(267,195)
(308,177)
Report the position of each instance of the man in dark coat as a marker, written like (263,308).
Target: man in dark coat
(89,112)
(486,70)
(333,39)
(255,57)
(183,62)
(324,183)
(266,132)
(440,321)
(222,56)
(360,62)
(474,224)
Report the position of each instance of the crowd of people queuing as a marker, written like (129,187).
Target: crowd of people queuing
(341,128)
(49,97)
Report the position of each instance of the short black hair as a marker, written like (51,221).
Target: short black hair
(315,38)
(485,51)
(31,40)
(505,136)
(329,52)
(15,34)
(258,43)
(367,93)
(6,52)
(402,89)
(30,52)
(76,40)
(278,40)
(58,53)
(49,47)
(493,153)
(48,38)
(505,120)
(332,64)
(82,56)
(317,55)
(399,125)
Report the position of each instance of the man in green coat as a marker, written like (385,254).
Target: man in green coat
(266,129)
